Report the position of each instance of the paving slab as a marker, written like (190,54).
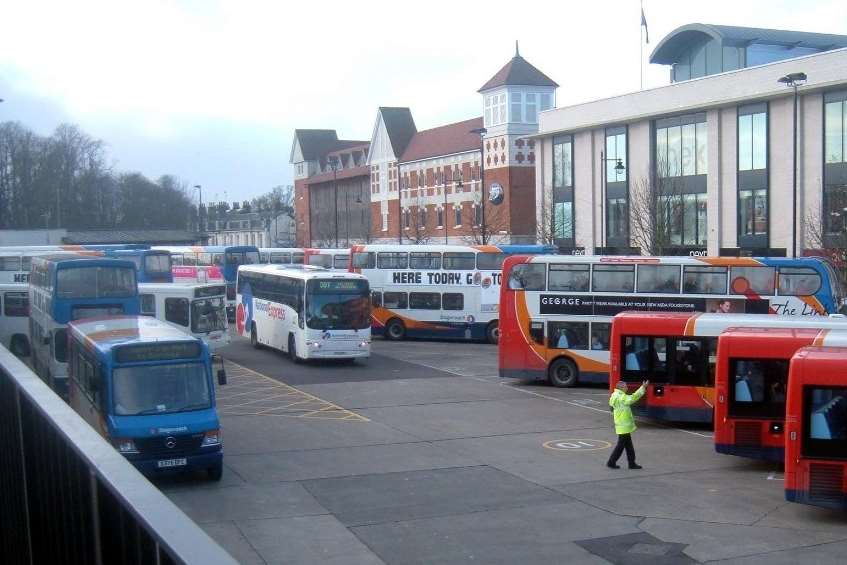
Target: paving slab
(391,497)
(461,359)
(198,481)
(306,540)
(341,462)
(805,517)
(527,536)
(487,418)
(267,434)
(408,392)
(247,502)
(636,549)
(229,536)
(730,496)
(710,542)
(823,554)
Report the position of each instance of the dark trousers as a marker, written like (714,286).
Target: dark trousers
(624,442)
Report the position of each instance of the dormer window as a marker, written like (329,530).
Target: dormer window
(495,109)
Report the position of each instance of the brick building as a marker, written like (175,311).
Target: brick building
(425,186)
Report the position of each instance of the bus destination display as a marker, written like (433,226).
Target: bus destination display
(156,352)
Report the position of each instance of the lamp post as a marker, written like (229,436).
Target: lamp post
(482,132)
(619,168)
(200,209)
(333,164)
(793,80)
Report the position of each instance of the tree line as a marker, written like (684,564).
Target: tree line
(64,180)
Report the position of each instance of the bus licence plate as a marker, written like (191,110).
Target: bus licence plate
(167,463)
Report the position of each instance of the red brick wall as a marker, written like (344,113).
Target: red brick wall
(522,192)
(301,212)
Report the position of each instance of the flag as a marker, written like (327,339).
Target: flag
(644,25)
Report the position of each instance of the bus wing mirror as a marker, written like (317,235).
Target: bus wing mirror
(221,377)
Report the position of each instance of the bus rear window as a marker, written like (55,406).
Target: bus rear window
(757,387)
(825,412)
(95,282)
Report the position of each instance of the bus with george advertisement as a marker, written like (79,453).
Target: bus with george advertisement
(147,388)
(436,291)
(677,353)
(556,310)
(816,428)
(304,311)
(751,380)
(68,287)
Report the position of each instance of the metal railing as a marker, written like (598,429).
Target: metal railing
(66,495)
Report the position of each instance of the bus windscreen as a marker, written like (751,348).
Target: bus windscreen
(160,389)
(208,315)
(338,304)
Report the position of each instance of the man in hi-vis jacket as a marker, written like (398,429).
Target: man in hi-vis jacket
(620,402)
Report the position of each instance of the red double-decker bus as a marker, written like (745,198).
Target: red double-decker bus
(816,428)
(751,381)
(677,353)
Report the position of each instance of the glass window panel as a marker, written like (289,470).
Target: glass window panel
(834,132)
(531,109)
(546,102)
(674,151)
(392,260)
(675,219)
(752,280)
(702,220)
(613,278)
(490,261)
(574,278)
(425,301)
(702,148)
(689,150)
(713,57)
(798,281)
(662,152)
(516,107)
(620,155)
(730,58)
(658,278)
(395,300)
(567,335)
(682,70)
(567,168)
(704,280)
(424,260)
(600,332)
(453,301)
(760,141)
(10,263)
(558,164)
(618,218)
(527,276)
(611,150)
(826,428)
(459,261)
(758,387)
(563,220)
(698,61)
(745,142)
(745,212)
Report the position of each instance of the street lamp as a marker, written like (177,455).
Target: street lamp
(793,80)
(333,164)
(482,132)
(199,208)
(619,168)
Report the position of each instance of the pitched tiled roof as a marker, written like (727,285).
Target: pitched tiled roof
(443,140)
(315,142)
(400,127)
(518,71)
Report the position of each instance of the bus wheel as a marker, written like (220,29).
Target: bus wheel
(292,349)
(254,338)
(215,473)
(492,332)
(395,330)
(563,373)
(19,346)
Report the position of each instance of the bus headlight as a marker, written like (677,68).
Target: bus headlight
(212,437)
(315,344)
(125,445)
(364,344)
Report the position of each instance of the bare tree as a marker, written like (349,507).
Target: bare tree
(550,228)
(656,207)
(830,243)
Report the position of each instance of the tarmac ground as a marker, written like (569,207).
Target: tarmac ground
(422,454)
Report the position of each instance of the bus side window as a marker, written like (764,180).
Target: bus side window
(148,304)
(528,276)
(176,259)
(189,259)
(376,299)
(364,260)
(536,332)
(752,280)
(453,301)
(12,263)
(567,335)
(600,336)
(396,300)
(16,304)
(218,259)
(176,311)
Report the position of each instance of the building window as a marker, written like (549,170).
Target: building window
(457,211)
(681,146)
(517,103)
(563,162)
(477,215)
(616,151)
(406,218)
(562,214)
(685,218)
(618,220)
(385,221)
(495,109)
(835,167)
(753,175)
(563,220)
(422,217)
(546,101)
(421,176)
(531,108)
(439,217)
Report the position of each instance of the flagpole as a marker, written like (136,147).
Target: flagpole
(641,50)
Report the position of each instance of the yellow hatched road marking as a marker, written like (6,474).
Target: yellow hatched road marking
(238,398)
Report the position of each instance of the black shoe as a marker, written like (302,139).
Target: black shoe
(612,466)
(635,466)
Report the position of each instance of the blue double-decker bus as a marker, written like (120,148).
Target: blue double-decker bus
(227,257)
(147,387)
(69,287)
(152,265)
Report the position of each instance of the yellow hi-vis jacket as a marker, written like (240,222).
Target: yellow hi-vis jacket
(621,402)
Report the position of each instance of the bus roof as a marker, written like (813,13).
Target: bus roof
(187,287)
(304,272)
(693,324)
(774,336)
(206,249)
(103,334)
(675,260)
(82,260)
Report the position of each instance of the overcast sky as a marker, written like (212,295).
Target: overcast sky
(212,91)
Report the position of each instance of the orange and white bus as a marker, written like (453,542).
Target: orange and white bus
(556,310)
(436,291)
(677,353)
(751,383)
(333,259)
